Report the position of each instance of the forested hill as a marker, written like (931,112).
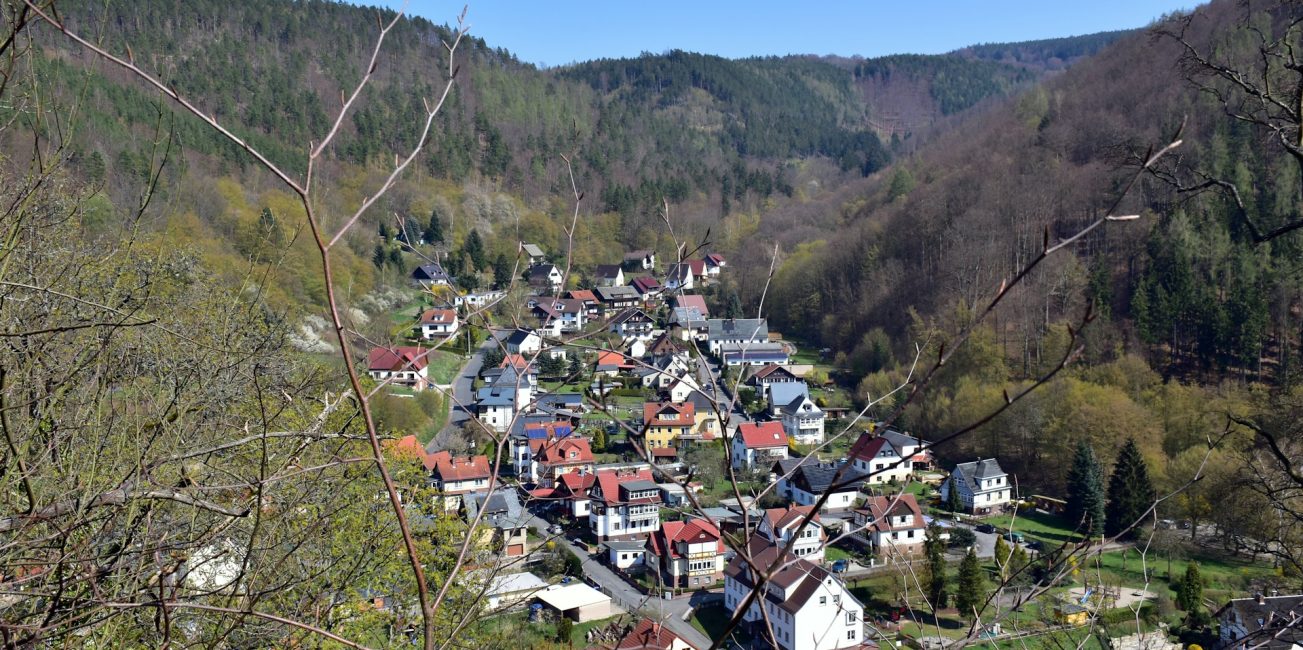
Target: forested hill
(1047,54)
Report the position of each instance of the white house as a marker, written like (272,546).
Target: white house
(401,366)
(877,457)
(714,263)
(437,323)
(780,524)
(738,331)
(545,276)
(759,444)
(557,316)
(916,450)
(633,323)
(626,554)
(810,480)
(534,252)
(680,278)
(477,299)
(510,392)
(523,342)
(891,525)
(983,486)
(790,403)
(640,259)
(624,504)
(608,275)
(808,607)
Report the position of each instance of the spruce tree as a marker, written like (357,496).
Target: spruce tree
(1130,491)
(599,440)
(474,248)
(1002,555)
(953,502)
(971,590)
(936,567)
(1085,508)
(501,271)
(379,256)
(434,230)
(1189,595)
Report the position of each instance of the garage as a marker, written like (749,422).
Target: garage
(577,601)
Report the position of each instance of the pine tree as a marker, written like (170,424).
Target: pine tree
(1189,595)
(971,590)
(1085,508)
(953,502)
(434,230)
(379,256)
(501,271)
(1130,491)
(474,248)
(1003,554)
(936,567)
(599,440)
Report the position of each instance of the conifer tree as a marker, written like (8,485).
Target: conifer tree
(1189,595)
(474,248)
(599,440)
(971,590)
(1130,491)
(434,230)
(379,256)
(1085,508)
(501,271)
(1002,555)
(953,502)
(936,567)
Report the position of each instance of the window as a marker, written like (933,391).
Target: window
(851,617)
(836,599)
(850,635)
(823,600)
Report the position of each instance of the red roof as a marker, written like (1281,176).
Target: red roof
(584,295)
(695,531)
(646,284)
(781,518)
(867,448)
(651,635)
(575,484)
(762,435)
(881,508)
(452,468)
(664,452)
(698,267)
(609,481)
(565,451)
(438,317)
(692,300)
(654,414)
(715,259)
(611,358)
(398,358)
(515,360)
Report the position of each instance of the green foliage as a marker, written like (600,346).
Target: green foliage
(1130,491)
(564,630)
(954,503)
(493,357)
(961,537)
(599,440)
(936,569)
(954,83)
(970,589)
(1189,592)
(1085,496)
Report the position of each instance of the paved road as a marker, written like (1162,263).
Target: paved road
(626,596)
(461,408)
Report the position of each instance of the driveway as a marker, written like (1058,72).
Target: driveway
(462,407)
(625,595)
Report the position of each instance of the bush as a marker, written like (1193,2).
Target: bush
(961,538)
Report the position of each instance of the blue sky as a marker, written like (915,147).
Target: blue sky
(557,32)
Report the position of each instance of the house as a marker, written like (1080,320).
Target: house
(877,458)
(453,476)
(608,275)
(557,316)
(663,370)
(592,306)
(983,486)
(624,504)
(691,301)
(614,299)
(680,277)
(523,342)
(738,331)
(640,259)
(521,439)
(915,450)
(891,526)
(682,388)
(664,346)
(772,374)
(664,422)
(808,607)
(1269,622)
(714,263)
(759,444)
(632,323)
(648,287)
(572,490)
(511,589)
(612,363)
(437,323)
(401,366)
(690,553)
(510,391)
(652,635)
(624,555)
(428,276)
(753,354)
(478,299)
(809,480)
(505,521)
(545,276)
(554,457)
(534,253)
(790,404)
(779,526)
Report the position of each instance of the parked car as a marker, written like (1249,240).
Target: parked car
(1036,545)
(985,528)
(1013,537)
(840,566)
(554,529)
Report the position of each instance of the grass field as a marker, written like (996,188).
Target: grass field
(712,620)
(1036,525)
(444,366)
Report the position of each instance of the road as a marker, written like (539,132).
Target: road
(624,595)
(463,403)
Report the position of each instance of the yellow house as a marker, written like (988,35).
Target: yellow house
(664,422)
(1071,614)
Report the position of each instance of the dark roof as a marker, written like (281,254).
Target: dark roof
(794,569)
(977,470)
(745,329)
(607,271)
(612,294)
(517,337)
(1273,623)
(432,271)
(816,478)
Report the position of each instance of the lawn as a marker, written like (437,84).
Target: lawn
(832,554)
(1124,567)
(1037,525)
(444,366)
(712,620)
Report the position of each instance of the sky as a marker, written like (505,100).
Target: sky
(557,32)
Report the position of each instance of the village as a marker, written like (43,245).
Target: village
(647,431)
